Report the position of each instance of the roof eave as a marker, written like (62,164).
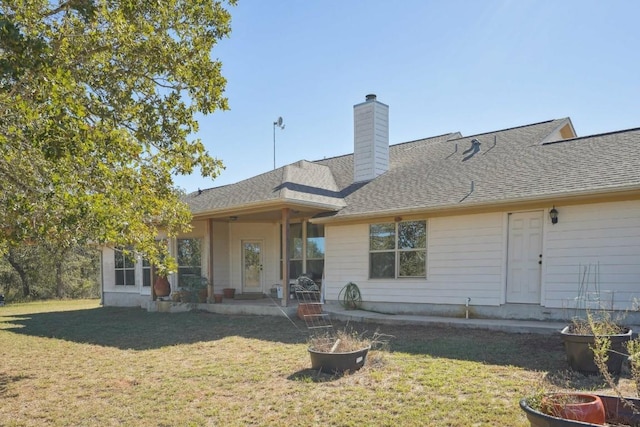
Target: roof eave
(269,205)
(560,198)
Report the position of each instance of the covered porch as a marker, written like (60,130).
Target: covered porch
(255,253)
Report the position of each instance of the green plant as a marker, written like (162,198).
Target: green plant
(599,322)
(193,289)
(601,350)
(346,340)
(350,296)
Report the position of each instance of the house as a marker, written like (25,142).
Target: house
(529,222)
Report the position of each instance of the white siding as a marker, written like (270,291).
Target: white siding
(221,260)
(603,236)
(465,259)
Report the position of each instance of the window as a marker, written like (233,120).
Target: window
(306,250)
(296,251)
(146,273)
(125,268)
(189,259)
(398,250)
(315,251)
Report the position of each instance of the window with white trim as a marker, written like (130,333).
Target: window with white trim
(189,259)
(125,267)
(398,249)
(146,273)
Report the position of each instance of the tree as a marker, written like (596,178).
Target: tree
(97,104)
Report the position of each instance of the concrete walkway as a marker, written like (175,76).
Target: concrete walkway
(505,325)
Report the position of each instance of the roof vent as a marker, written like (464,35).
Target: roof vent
(471,151)
(371,97)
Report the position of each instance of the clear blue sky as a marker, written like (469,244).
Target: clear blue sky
(441,66)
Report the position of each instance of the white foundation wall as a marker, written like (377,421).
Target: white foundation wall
(602,238)
(465,259)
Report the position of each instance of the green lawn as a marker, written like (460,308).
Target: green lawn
(76,363)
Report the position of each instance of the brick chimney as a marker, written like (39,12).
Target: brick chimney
(370,139)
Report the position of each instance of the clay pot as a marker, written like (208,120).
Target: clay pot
(161,287)
(584,407)
(229,292)
(217,298)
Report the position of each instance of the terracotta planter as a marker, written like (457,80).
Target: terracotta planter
(580,355)
(338,362)
(161,287)
(217,298)
(229,292)
(305,309)
(584,407)
(616,413)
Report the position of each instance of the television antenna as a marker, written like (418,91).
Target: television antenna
(278,123)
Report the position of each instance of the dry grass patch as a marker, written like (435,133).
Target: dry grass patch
(75,363)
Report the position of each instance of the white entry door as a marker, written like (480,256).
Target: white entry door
(524,257)
(252,268)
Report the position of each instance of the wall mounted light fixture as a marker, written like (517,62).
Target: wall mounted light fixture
(553,214)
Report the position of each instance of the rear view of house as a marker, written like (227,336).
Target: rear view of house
(526,222)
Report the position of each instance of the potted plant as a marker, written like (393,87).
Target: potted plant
(561,410)
(161,286)
(229,292)
(557,409)
(579,338)
(344,351)
(194,289)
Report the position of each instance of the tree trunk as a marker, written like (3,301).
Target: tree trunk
(11,257)
(59,281)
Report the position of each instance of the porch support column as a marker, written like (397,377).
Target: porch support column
(210,266)
(285,256)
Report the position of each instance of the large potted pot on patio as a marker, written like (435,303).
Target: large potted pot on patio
(229,292)
(161,286)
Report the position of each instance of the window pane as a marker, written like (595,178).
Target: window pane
(295,269)
(382,236)
(412,235)
(129,261)
(315,230)
(146,277)
(295,241)
(382,265)
(189,252)
(413,264)
(118,258)
(315,248)
(315,268)
(129,277)
(119,277)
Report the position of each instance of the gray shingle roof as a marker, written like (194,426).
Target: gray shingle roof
(302,182)
(439,173)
